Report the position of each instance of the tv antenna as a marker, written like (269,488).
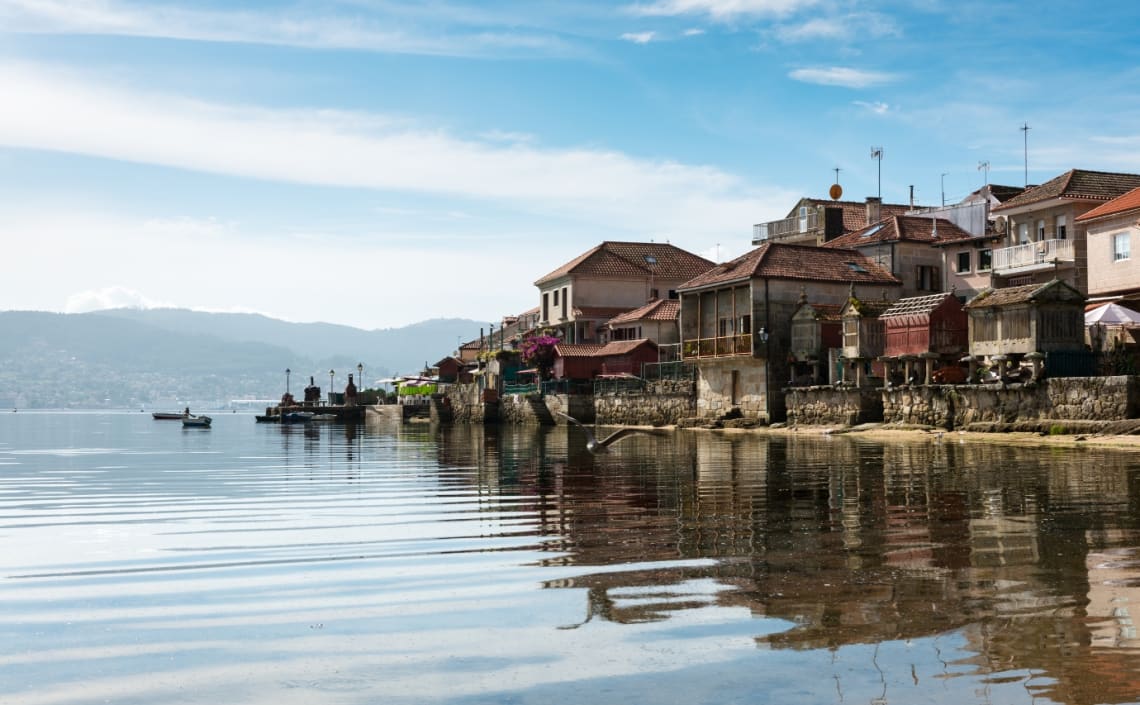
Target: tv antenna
(1025,134)
(877,154)
(985,166)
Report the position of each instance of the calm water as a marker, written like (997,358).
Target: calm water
(145,563)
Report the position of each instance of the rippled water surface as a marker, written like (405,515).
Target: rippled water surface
(249,563)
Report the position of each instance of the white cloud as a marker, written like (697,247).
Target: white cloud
(843,28)
(639,37)
(694,32)
(358,31)
(110,297)
(876,107)
(721,10)
(841,76)
(74,114)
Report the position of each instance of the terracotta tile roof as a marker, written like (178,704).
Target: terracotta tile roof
(1076,184)
(577,349)
(899,228)
(656,310)
(620,260)
(1123,204)
(916,305)
(869,308)
(991,298)
(854,212)
(624,347)
(776,260)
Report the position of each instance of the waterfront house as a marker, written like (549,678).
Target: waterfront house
(923,332)
(905,246)
(1044,239)
(736,319)
(658,320)
(612,278)
(816,330)
(814,221)
(1031,322)
(1111,230)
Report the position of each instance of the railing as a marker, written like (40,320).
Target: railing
(1033,253)
(723,346)
(786,228)
(519,388)
(668,370)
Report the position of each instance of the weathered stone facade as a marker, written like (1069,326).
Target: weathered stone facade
(736,382)
(827,405)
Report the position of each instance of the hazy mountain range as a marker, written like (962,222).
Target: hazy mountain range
(126,358)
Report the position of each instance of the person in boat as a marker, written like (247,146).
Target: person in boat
(186,412)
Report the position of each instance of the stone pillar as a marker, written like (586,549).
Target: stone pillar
(929,358)
(1037,360)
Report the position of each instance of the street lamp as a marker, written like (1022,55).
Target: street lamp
(287,371)
(360,375)
(331,374)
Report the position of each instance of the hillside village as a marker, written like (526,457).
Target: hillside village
(863,300)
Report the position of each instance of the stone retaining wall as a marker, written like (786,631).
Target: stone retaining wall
(827,405)
(661,402)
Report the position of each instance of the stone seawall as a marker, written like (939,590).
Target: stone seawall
(826,405)
(1070,398)
(661,402)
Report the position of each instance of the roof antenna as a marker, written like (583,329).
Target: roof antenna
(985,166)
(876,153)
(1025,132)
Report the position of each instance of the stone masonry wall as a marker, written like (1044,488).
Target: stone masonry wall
(826,405)
(661,402)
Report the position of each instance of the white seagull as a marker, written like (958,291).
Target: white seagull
(603,446)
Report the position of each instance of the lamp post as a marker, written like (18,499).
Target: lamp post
(287,371)
(331,374)
(360,376)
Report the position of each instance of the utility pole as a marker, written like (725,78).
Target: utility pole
(877,154)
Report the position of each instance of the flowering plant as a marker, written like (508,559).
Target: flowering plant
(538,352)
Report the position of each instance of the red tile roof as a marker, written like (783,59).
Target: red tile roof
(656,310)
(1076,184)
(775,260)
(577,349)
(1123,204)
(624,347)
(899,228)
(620,260)
(618,347)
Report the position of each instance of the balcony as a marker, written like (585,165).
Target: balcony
(1032,256)
(788,228)
(723,346)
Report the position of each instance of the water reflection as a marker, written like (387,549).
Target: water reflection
(1029,556)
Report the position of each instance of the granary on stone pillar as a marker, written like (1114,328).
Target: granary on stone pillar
(863,341)
(1006,325)
(816,331)
(925,339)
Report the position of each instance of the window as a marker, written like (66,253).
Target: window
(724,327)
(546,307)
(745,324)
(1061,231)
(926,278)
(555,297)
(1121,247)
(1041,230)
(985,260)
(1023,234)
(803,219)
(963,262)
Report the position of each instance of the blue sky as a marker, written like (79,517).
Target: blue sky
(380,163)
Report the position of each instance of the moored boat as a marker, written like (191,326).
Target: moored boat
(297,417)
(167,415)
(196,422)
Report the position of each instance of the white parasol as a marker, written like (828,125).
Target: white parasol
(1112,314)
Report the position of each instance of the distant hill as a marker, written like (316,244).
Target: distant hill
(129,357)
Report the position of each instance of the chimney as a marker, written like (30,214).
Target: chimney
(874,208)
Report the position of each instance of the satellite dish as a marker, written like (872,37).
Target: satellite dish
(835,192)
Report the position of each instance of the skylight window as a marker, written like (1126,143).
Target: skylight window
(872,231)
(856,267)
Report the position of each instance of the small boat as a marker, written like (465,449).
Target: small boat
(267,418)
(167,415)
(196,422)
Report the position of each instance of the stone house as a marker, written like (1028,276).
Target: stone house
(1042,236)
(1111,230)
(967,263)
(905,246)
(612,278)
(814,221)
(736,319)
(1029,322)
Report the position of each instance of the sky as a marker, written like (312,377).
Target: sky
(377,163)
